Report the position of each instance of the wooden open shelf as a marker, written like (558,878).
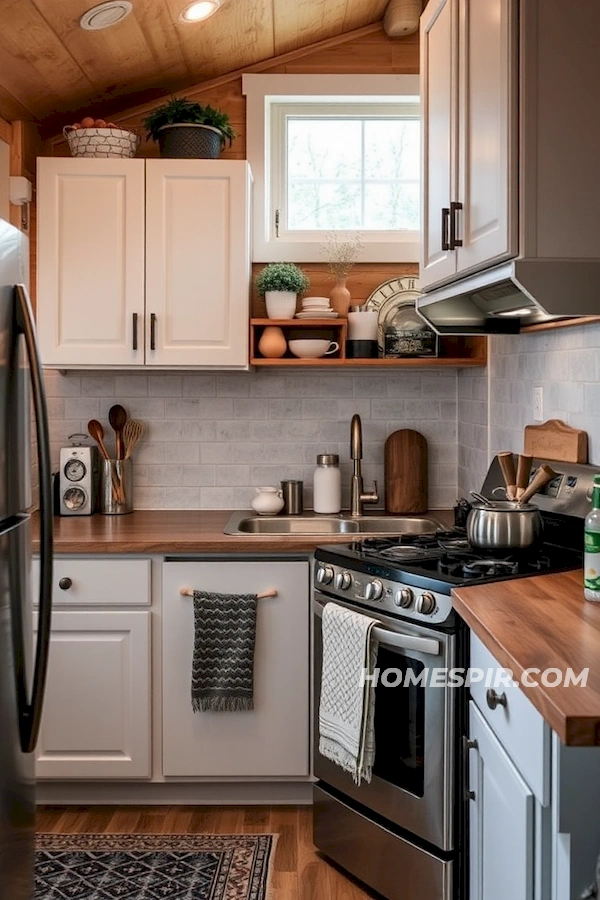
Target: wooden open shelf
(453,351)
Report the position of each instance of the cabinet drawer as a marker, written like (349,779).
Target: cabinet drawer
(517,724)
(97,582)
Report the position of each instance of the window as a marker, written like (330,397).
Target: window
(333,153)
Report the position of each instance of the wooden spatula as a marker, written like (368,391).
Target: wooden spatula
(542,476)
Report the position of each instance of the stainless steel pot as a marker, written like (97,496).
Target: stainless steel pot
(504,525)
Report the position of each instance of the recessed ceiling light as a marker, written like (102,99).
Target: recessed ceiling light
(105,14)
(199,10)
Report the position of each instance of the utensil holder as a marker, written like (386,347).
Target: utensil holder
(116,487)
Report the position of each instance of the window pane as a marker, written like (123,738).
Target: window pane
(324,148)
(317,205)
(356,172)
(392,148)
(392,207)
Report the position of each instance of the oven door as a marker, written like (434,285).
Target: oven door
(413,783)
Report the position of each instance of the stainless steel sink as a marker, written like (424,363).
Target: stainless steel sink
(246,523)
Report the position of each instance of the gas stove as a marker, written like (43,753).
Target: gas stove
(412,576)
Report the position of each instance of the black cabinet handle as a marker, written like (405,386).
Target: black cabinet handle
(454,241)
(65,583)
(135,331)
(445,227)
(152,331)
(494,699)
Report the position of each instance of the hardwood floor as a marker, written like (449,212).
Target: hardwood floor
(299,873)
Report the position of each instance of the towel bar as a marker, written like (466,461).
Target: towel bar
(272,592)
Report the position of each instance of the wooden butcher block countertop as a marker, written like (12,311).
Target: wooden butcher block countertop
(178,531)
(543,622)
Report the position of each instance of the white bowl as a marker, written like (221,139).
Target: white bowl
(312,349)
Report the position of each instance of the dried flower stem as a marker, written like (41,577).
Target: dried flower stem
(341,252)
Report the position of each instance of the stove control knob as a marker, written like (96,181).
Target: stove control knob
(374,590)
(425,603)
(343,580)
(404,598)
(324,575)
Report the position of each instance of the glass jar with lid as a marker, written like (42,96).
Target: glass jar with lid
(327,484)
(406,333)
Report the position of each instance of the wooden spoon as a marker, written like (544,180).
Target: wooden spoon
(117,416)
(524,462)
(133,432)
(97,432)
(507,464)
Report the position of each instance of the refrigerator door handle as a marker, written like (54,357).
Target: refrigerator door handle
(32,713)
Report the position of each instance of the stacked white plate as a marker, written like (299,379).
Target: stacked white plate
(316,308)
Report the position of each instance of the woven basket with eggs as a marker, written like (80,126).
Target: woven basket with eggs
(96,138)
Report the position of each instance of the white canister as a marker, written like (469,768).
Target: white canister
(362,325)
(327,484)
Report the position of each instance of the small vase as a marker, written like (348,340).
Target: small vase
(280,304)
(340,296)
(272,343)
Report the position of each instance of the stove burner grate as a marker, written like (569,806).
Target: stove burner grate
(490,568)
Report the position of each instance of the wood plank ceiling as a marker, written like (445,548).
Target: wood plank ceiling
(51,70)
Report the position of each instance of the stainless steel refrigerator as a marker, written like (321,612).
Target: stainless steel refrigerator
(23,661)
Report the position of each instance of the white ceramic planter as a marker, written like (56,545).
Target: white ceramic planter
(280,304)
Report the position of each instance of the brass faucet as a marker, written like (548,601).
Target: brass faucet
(357,493)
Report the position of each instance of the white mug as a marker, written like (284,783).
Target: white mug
(313,349)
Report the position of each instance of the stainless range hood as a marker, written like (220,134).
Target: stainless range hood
(520,292)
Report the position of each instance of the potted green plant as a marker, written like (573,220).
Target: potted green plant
(280,284)
(184,129)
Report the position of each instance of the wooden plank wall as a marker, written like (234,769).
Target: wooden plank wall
(366,51)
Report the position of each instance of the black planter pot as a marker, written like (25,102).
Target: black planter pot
(188,141)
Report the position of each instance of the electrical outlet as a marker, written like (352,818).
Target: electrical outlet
(538,404)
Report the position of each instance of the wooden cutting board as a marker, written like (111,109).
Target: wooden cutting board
(405,472)
(556,440)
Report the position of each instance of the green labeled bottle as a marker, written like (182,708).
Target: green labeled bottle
(591,556)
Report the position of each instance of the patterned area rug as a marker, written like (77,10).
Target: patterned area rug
(152,866)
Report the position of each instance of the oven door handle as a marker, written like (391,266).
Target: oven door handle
(398,640)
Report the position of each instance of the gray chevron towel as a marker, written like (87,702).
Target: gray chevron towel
(223,660)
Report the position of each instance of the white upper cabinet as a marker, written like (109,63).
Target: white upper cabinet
(469,96)
(438,105)
(143,263)
(197,262)
(90,260)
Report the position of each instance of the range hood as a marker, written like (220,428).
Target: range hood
(508,296)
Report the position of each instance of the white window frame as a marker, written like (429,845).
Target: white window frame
(261,92)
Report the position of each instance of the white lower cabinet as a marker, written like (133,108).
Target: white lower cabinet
(533,802)
(272,740)
(501,842)
(96,719)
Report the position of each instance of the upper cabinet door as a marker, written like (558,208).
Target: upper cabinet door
(439,109)
(197,262)
(487,173)
(90,261)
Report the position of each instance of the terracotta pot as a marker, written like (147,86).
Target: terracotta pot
(272,343)
(340,297)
